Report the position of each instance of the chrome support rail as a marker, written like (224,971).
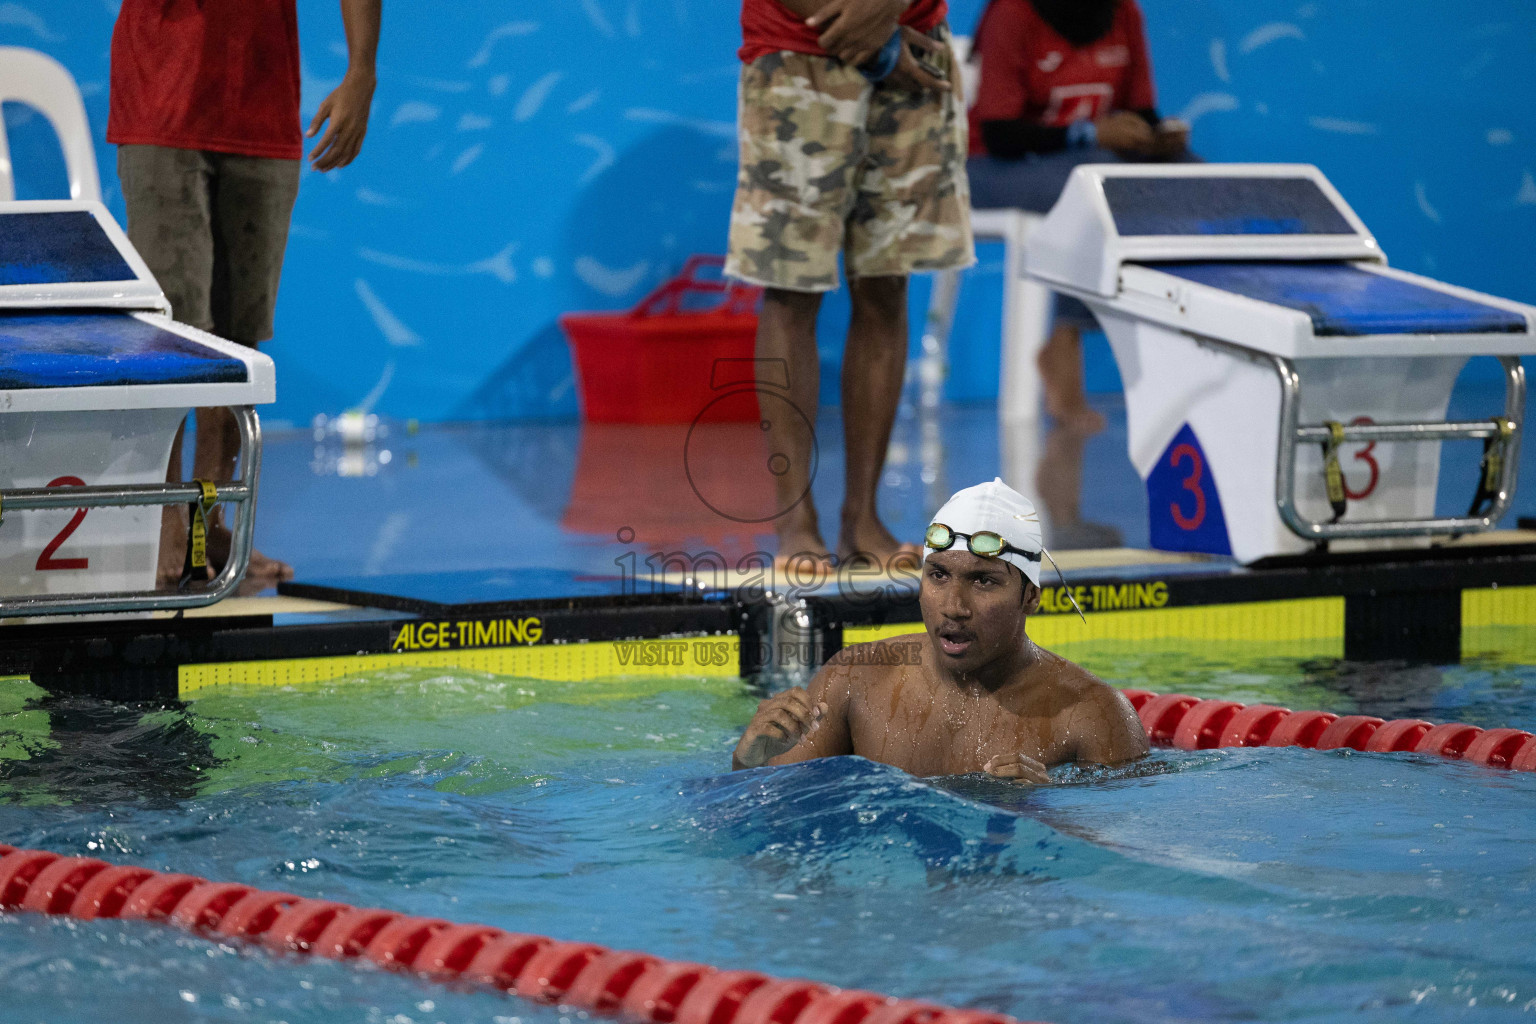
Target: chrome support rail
(241,492)
(116,497)
(795,645)
(1291,433)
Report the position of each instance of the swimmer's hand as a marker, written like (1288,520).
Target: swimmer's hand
(781,722)
(853,31)
(1017,767)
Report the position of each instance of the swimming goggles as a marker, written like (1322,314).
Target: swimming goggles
(986,544)
(983,544)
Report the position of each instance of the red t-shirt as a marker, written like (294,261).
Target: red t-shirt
(1030,71)
(767,26)
(207,74)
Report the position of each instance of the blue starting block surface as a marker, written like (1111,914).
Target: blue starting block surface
(1222,206)
(1344,300)
(59,247)
(72,350)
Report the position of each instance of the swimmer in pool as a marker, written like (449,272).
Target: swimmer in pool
(973,694)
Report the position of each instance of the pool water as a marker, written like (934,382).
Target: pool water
(1232,885)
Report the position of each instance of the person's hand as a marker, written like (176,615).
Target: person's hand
(347,110)
(782,721)
(1124,132)
(1018,767)
(910,72)
(854,30)
(1171,140)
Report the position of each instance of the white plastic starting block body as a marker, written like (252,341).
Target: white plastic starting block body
(95,380)
(1249,309)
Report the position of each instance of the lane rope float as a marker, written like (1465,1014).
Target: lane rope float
(1190,723)
(613,983)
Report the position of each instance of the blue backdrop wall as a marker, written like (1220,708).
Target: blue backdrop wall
(534,157)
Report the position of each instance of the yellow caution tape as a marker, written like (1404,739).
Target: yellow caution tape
(199,549)
(1493,468)
(1495,449)
(1333,475)
(1493,455)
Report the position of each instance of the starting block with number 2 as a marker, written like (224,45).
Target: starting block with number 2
(95,379)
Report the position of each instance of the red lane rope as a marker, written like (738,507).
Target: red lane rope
(1189,723)
(634,986)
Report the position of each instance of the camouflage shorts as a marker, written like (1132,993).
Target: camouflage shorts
(831,163)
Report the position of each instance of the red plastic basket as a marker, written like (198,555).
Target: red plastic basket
(655,364)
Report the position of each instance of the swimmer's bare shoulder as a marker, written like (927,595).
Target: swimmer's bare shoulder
(1093,721)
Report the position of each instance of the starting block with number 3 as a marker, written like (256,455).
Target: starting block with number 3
(1284,388)
(95,379)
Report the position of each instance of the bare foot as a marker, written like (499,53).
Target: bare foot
(802,552)
(260,567)
(1061,374)
(173,546)
(264,568)
(248,587)
(866,537)
(1083,418)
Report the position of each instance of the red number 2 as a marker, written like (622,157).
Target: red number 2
(1191,484)
(1365,456)
(46,561)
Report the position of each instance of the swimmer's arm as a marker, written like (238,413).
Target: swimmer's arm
(830,736)
(1106,727)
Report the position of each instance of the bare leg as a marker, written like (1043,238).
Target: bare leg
(1059,476)
(1061,371)
(874,361)
(173,524)
(1059,482)
(217,445)
(786,331)
(251,201)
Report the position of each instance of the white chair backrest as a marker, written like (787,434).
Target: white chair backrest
(970,70)
(39,81)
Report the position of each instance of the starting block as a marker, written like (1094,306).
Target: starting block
(95,380)
(1285,389)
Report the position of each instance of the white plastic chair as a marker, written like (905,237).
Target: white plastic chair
(1026,303)
(39,81)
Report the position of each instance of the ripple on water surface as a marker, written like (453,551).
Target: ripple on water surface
(1219,885)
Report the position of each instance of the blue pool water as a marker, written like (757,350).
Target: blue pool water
(1241,885)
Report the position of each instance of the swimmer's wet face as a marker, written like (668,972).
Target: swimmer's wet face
(982,696)
(974,609)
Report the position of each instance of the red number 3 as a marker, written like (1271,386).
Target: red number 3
(46,561)
(1191,484)
(1365,456)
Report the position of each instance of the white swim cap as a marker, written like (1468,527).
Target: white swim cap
(995,508)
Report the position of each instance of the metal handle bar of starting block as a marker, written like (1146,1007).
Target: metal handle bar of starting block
(1452,430)
(1291,433)
(114,497)
(241,492)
